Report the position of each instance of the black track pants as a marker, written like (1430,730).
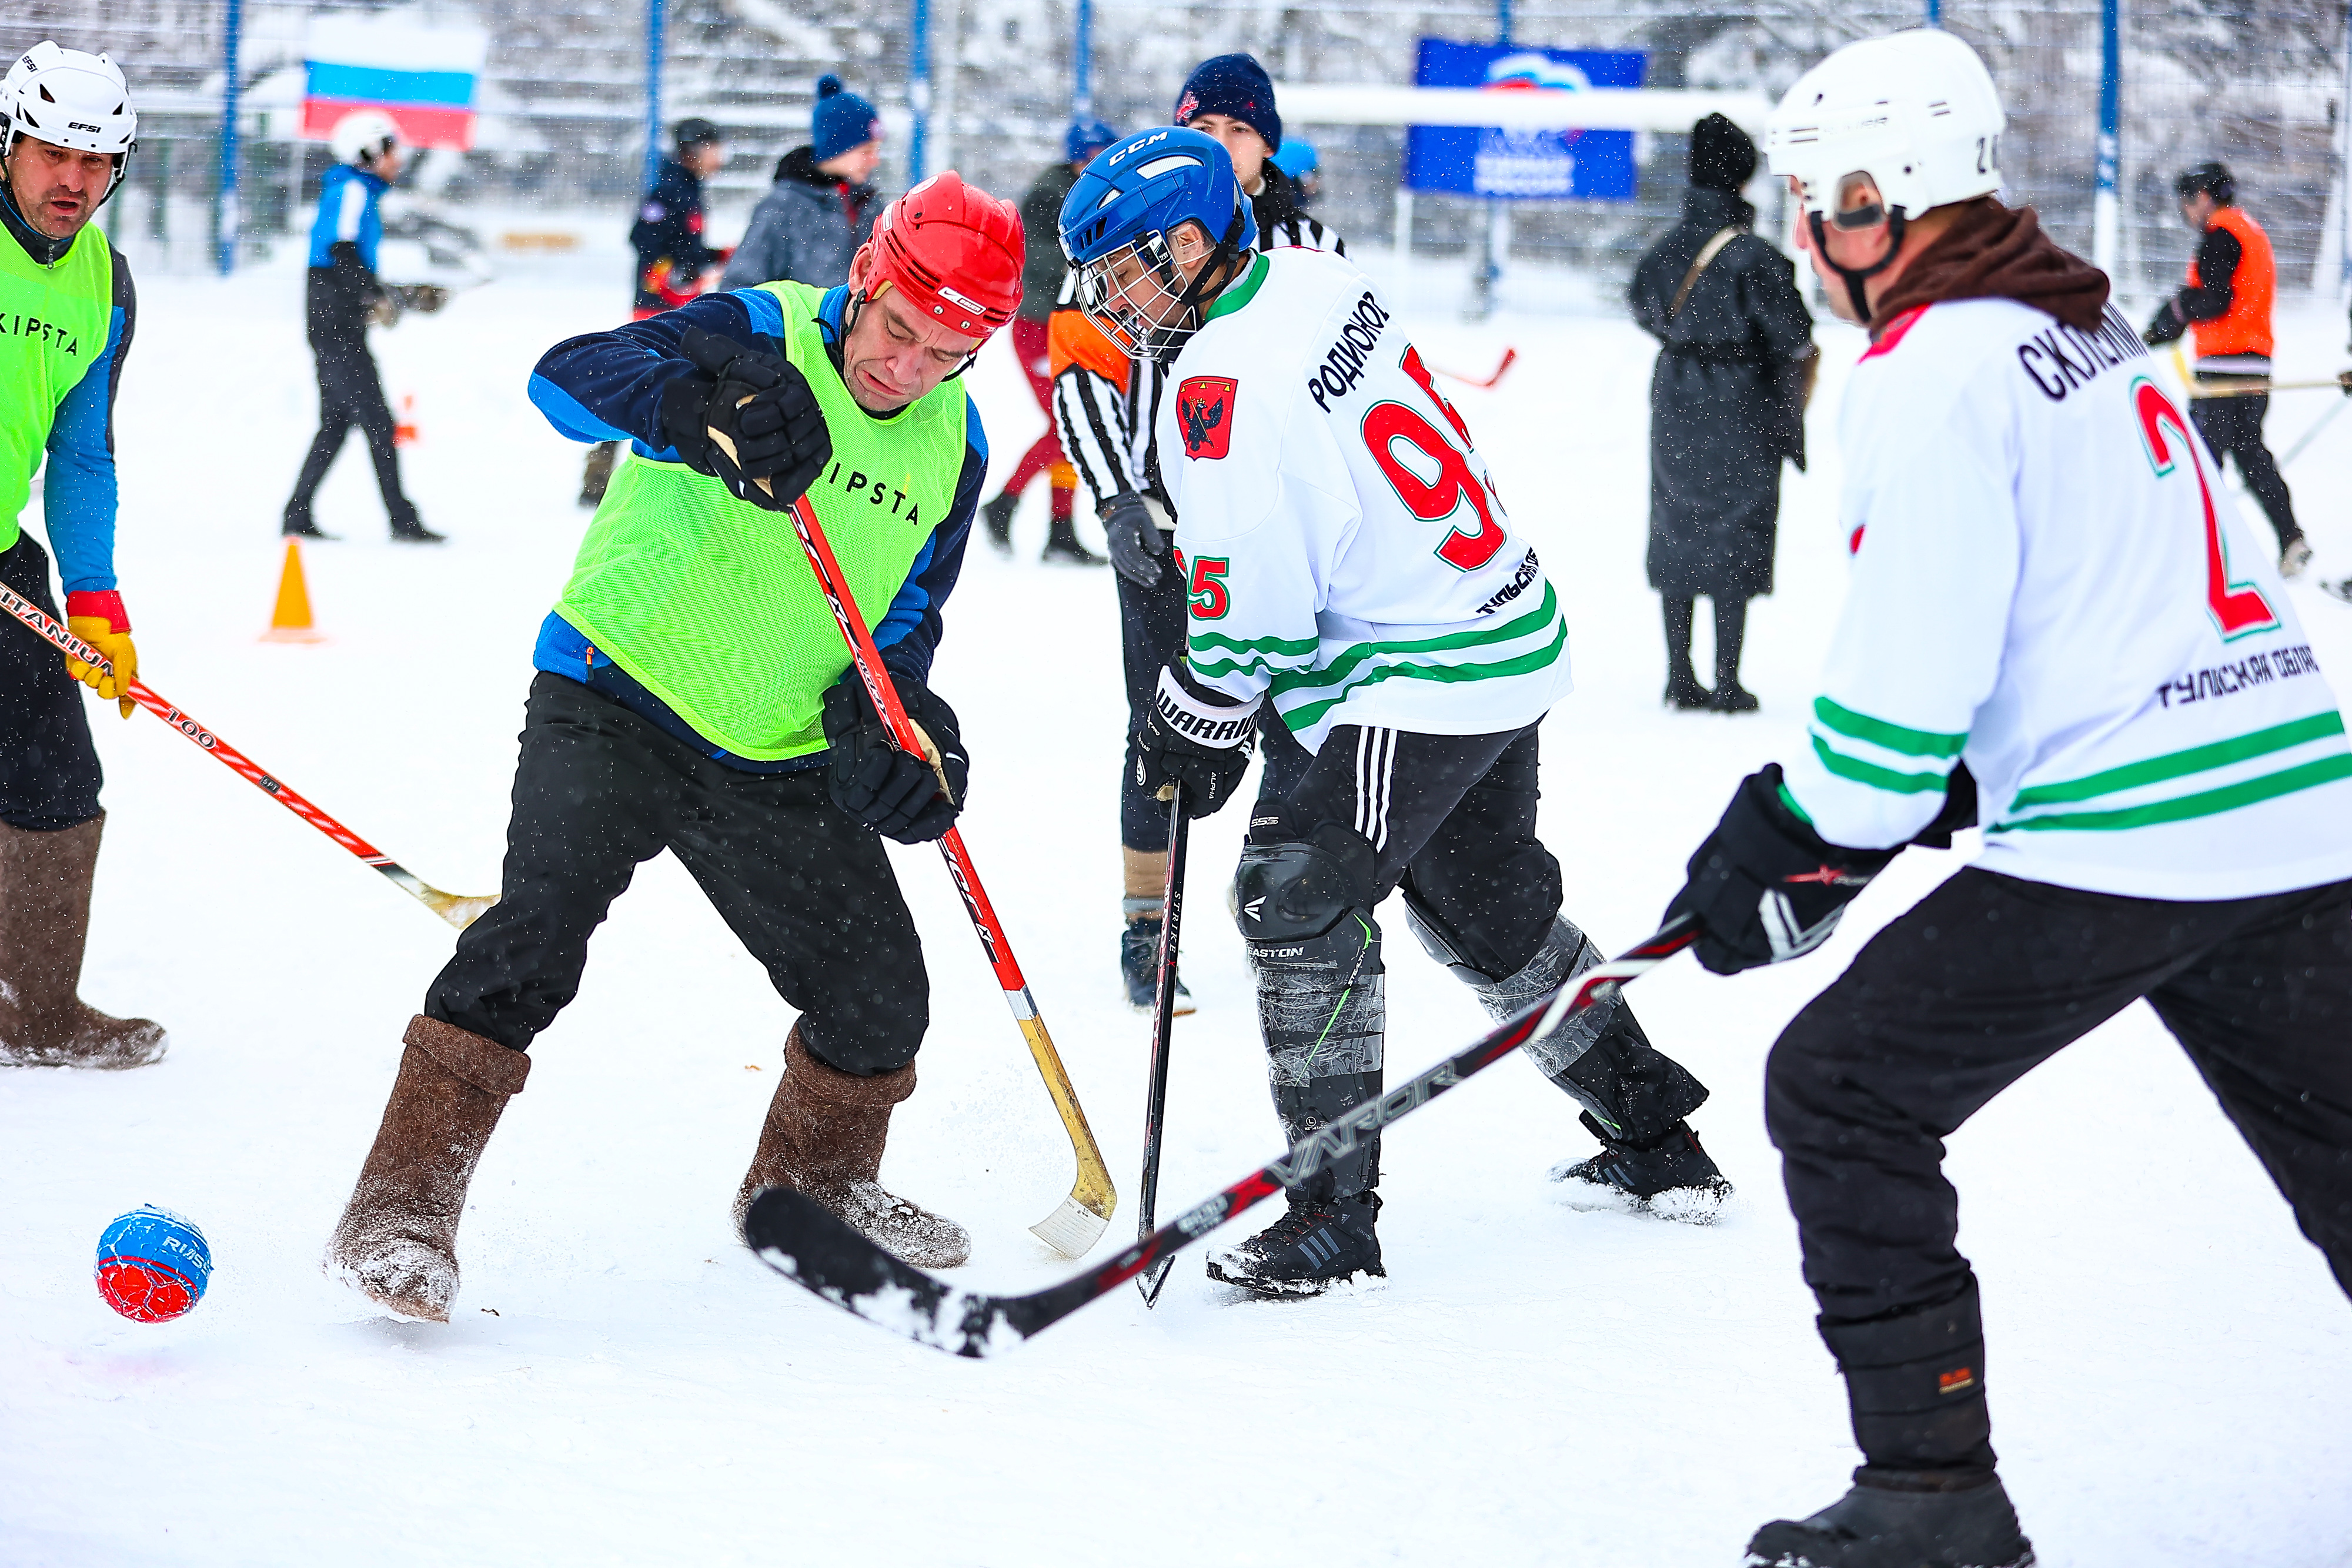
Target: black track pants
(49,775)
(2232,426)
(1150,632)
(1451,818)
(803,885)
(1988,976)
(350,393)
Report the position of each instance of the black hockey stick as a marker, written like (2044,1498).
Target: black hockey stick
(1163,1019)
(799,1239)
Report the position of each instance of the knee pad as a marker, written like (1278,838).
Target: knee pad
(1441,943)
(1294,887)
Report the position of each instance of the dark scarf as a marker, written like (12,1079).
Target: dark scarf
(1992,252)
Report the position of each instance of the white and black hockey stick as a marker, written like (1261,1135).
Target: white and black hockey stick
(803,1240)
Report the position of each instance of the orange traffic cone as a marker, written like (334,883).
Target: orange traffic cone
(290,621)
(403,429)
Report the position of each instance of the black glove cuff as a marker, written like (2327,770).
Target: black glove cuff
(681,415)
(1762,809)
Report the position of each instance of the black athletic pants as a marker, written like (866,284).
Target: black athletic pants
(803,885)
(49,775)
(2232,426)
(350,393)
(1150,632)
(1988,976)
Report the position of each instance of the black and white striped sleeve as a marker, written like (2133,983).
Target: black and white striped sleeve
(1091,414)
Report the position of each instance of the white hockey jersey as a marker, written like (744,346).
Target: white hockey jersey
(1346,554)
(2049,585)
(1105,424)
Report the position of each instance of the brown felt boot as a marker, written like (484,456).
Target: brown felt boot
(397,1241)
(824,1138)
(44,920)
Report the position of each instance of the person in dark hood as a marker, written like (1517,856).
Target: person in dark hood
(821,207)
(1727,404)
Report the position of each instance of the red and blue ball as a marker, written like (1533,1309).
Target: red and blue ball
(152,1265)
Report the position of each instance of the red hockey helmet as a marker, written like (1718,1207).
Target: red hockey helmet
(954,251)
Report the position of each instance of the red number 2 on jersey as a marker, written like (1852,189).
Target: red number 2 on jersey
(1386,423)
(2237,608)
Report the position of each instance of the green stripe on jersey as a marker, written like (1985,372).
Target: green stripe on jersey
(1886,735)
(1240,294)
(2179,764)
(1344,668)
(1201,642)
(1534,659)
(2207,803)
(1877,778)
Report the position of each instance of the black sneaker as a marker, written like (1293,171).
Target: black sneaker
(1138,967)
(1318,1244)
(304,528)
(1672,1175)
(1886,1523)
(998,516)
(417,533)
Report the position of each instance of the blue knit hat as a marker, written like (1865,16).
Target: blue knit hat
(841,121)
(1234,86)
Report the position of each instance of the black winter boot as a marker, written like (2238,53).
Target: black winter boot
(998,516)
(1671,1175)
(1318,1244)
(1062,544)
(1895,1520)
(1138,967)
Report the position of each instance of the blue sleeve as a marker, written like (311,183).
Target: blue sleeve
(78,492)
(911,631)
(607,386)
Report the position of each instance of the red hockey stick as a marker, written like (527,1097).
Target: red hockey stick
(458,909)
(1079,1222)
(1508,356)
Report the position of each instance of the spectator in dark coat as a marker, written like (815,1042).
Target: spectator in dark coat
(1727,404)
(824,202)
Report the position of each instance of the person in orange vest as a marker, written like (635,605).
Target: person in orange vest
(2227,308)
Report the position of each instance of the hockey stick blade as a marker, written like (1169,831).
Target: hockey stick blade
(1486,383)
(806,1243)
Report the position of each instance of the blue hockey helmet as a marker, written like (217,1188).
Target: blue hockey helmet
(1125,203)
(1296,157)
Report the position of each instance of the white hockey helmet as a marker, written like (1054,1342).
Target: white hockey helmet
(71,99)
(362,136)
(1915,111)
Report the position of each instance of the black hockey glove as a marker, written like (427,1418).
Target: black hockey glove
(2167,325)
(1139,549)
(758,404)
(1201,740)
(1765,886)
(894,792)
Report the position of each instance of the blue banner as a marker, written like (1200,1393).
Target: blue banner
(1523,165)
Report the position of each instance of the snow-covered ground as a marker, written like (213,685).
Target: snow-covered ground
(624,1383)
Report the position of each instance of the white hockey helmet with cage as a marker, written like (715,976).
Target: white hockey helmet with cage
(363,136)
(71,99)
(1914,112)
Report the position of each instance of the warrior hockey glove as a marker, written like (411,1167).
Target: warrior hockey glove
(894,792)
(1139,547)
(1765,886)
(748,416)
(1200,739)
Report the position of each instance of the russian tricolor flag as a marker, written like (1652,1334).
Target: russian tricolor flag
(422,76)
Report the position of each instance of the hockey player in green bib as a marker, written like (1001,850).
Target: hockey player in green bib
(693,695)
(67,310)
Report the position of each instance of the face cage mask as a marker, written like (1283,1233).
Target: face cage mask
(1855,277)
(1125,324)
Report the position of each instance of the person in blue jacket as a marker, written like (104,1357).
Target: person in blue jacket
(344,295)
